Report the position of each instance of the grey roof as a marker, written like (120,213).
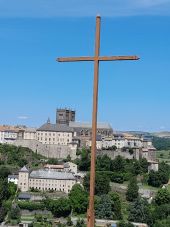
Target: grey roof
(24,169)
(98,138)
(24,195)
(30,129)
(89,125)
(55,128)
(51,174)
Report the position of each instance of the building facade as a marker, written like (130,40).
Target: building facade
(54,134)
(46,179)
(8,135)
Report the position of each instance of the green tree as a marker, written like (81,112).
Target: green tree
(132,190)
(162,196)
(125,224)
(163,223)
(103,163)
(161,211)
(144,165)
(139,211)
(116,205)
(4,172)
(60,207)
(84,164)
(102,183)
(3,213)
(154,179)
(78,199)
(118,164)
(15,212)
(136,168)
(12,188)
(4,191)
(104,207)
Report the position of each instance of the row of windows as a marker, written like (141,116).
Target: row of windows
(46,180)
(55,185)
(50,139)
(54,134)
(55,189)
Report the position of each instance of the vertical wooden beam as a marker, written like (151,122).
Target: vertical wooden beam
(91,214)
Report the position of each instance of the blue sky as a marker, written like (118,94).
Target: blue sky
(132,95)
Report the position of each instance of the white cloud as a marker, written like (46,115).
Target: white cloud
(23,117)
(82,8)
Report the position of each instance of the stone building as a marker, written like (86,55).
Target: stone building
(83,131)
(45,179)
(64,116)
(58,134)
(118,140)
(29,134)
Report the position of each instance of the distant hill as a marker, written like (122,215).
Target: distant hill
(138,133)
(162,134)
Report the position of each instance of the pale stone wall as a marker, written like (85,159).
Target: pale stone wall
(47,150)
(58,138)
(29,135)
(51,184)
(23,181)
(114,154)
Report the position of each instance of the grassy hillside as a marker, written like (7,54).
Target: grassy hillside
(17,157)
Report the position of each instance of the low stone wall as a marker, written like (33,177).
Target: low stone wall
(114,154)
(47,150)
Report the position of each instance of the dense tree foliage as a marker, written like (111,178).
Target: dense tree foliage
(84,161)
(29,205)
(162,196)
(104,207)
(139,211)
(116,205)
(125,224)
(78,199)
(160,177)
(161,143)
(132,190)
(4,172)
(163,223)
(15,213)
(104,163)
(18,156)
(102,183)
(59,208)
(161,211)
(7,191)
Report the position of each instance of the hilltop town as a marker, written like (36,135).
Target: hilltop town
(50,165)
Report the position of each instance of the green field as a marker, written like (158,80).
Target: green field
(163,155)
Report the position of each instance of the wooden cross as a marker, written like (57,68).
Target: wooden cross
(96,59)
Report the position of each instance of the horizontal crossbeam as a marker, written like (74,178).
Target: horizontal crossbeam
(111,58)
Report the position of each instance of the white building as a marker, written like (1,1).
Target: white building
(8,135)
(46,179)
(54,134)
(13,179)
(118,140)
